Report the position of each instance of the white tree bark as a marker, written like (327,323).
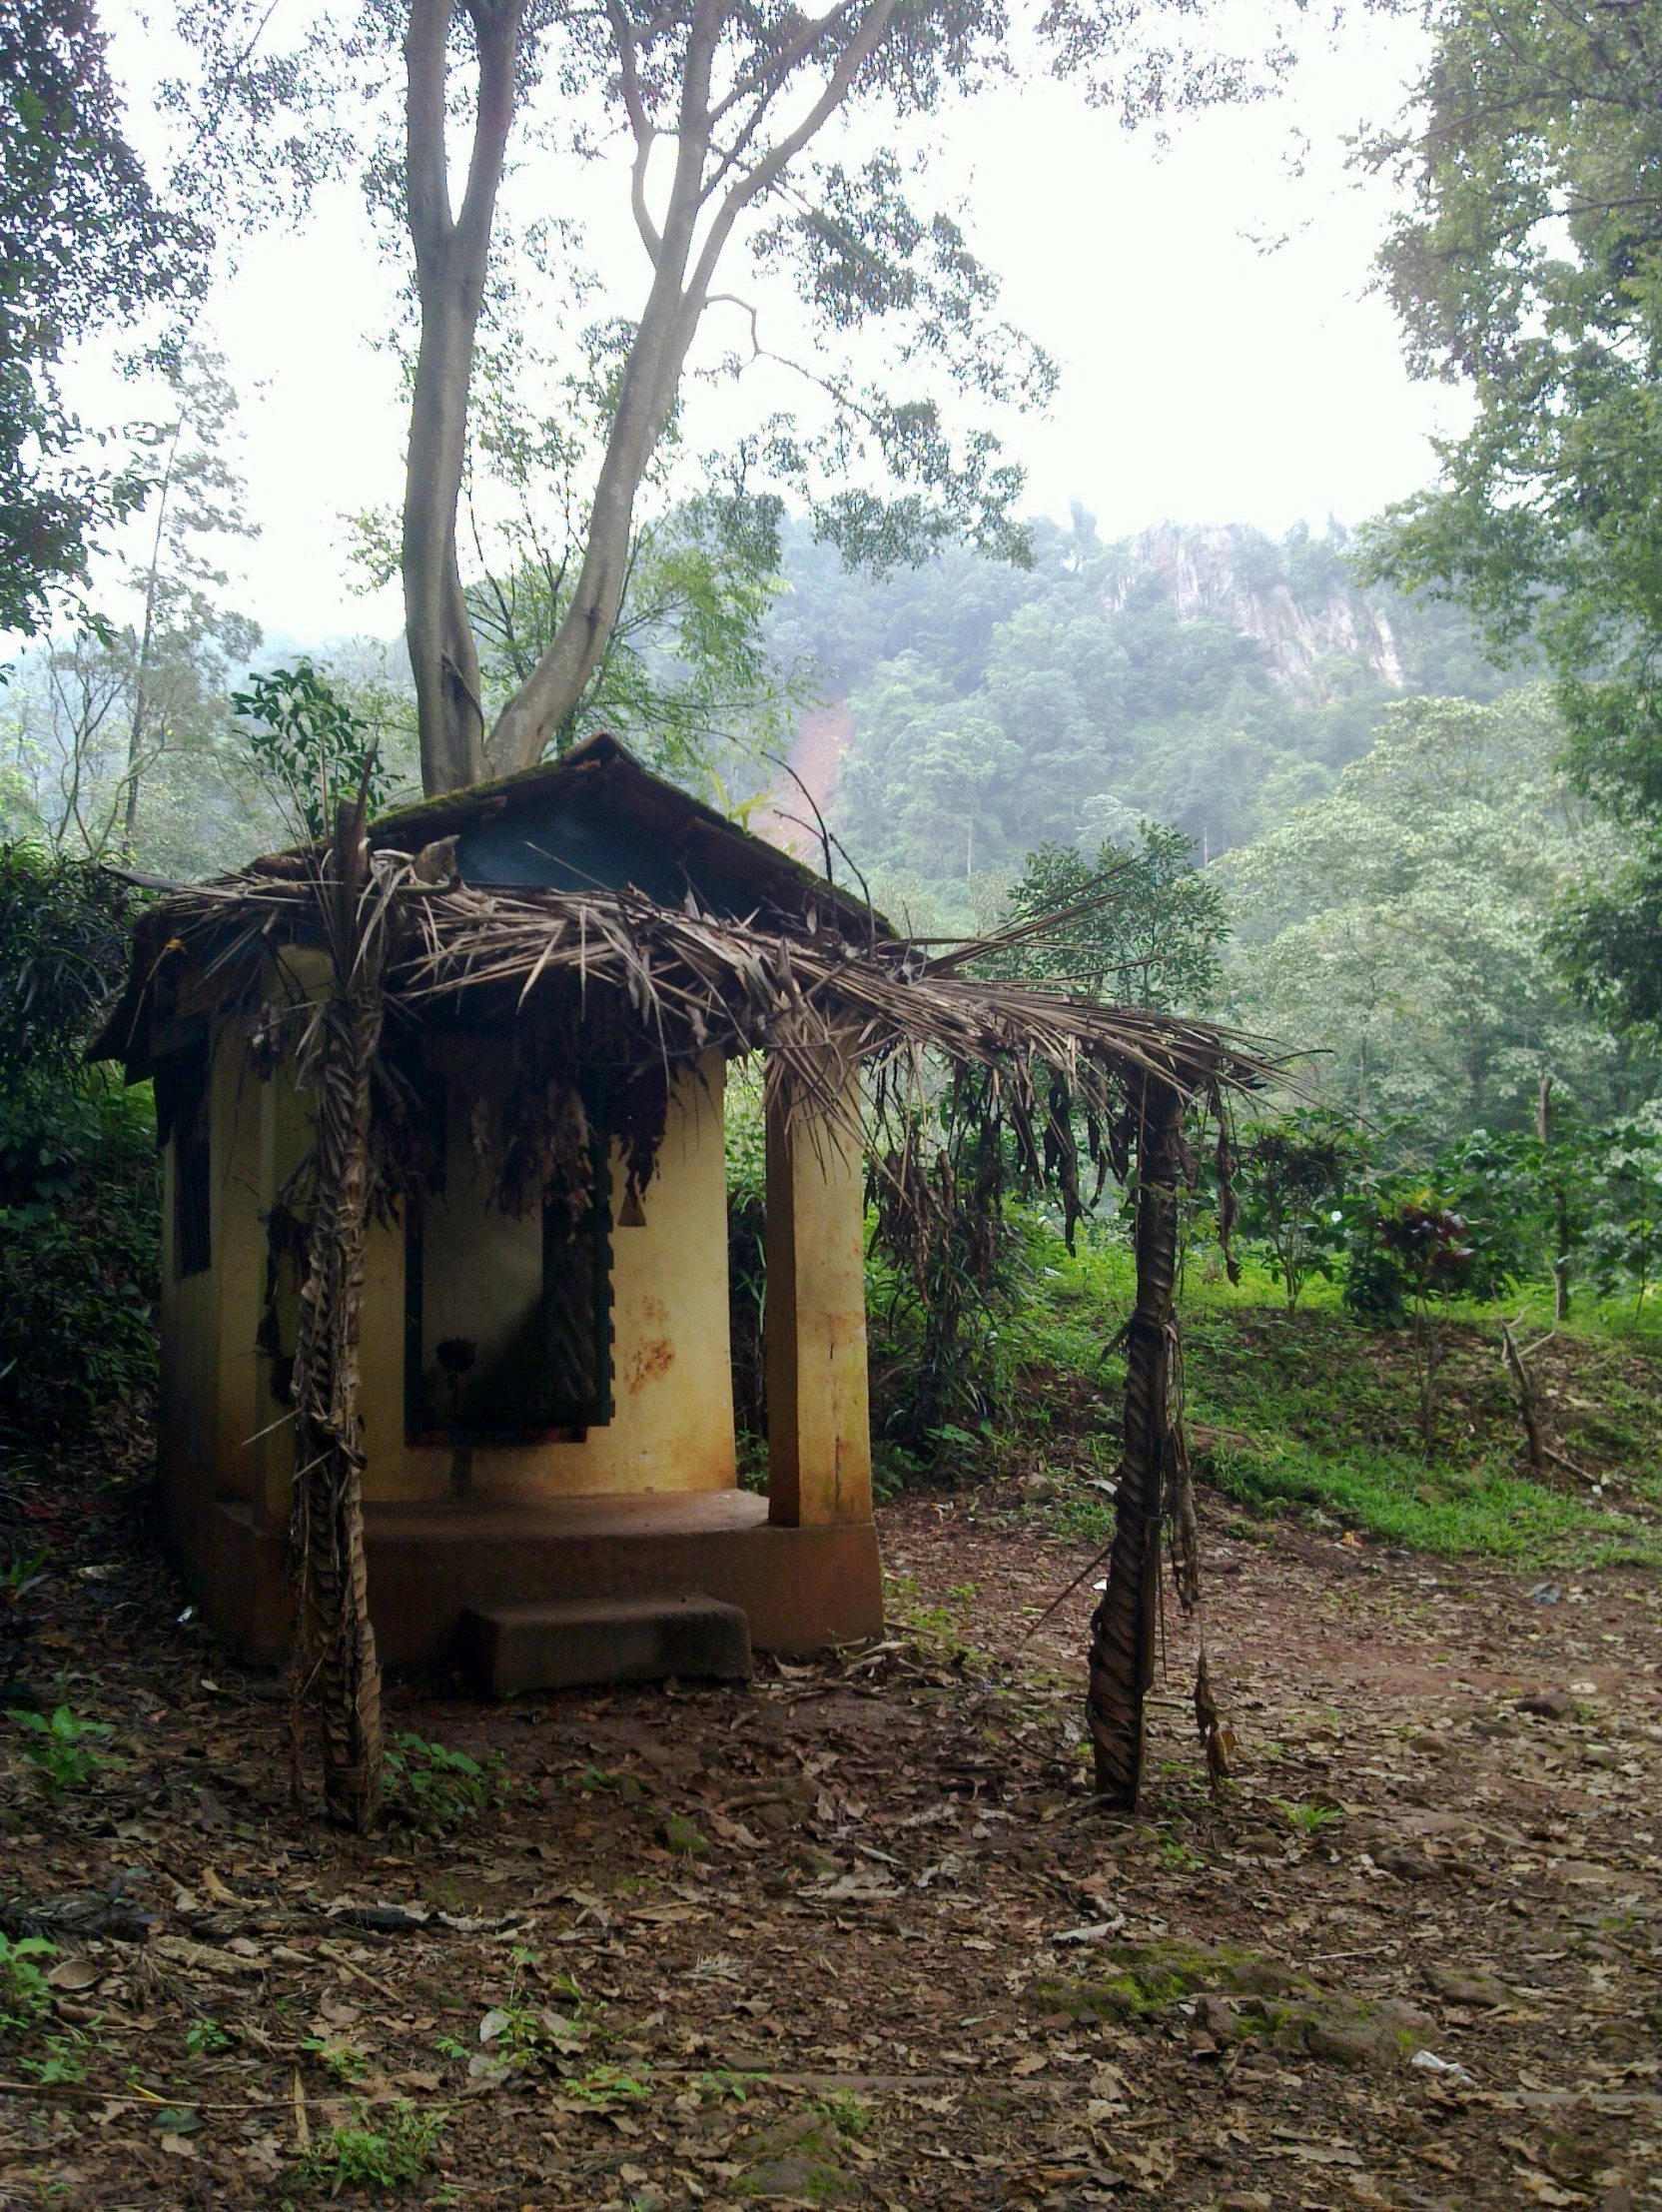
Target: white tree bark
(453,253)
(712,184)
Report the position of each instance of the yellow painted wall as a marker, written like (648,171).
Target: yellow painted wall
(819,1408)
(212,1389)
(284,1132)
(238,1252)
(190,1367)
(673,1418)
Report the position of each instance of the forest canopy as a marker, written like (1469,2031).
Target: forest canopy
(995,710)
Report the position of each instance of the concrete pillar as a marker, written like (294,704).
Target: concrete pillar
(818,1408)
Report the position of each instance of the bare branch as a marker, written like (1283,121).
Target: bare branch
(779,67)
(497,38)
(646,132)
(773,165)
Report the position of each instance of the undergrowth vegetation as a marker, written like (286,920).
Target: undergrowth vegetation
(434,1788)
(80,1182)
(25,1996)
(63,1749)
(391,2154)
(1310,1400)
(1316,1414)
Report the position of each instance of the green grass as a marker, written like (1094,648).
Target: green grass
(25,1995)
(941,1633)
(1396,1498)
(1316,1415)
(389,2156)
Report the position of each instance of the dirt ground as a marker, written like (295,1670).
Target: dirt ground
(856,1934)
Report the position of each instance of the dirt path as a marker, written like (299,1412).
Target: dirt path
(857,1935)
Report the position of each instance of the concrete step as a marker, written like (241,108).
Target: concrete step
(580,1642)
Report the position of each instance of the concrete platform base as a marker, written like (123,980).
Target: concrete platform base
(800,1589)
(510,1649)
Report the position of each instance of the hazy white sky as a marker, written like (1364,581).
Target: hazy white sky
(1203,379)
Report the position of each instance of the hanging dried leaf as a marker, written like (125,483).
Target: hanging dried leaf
(1216,1736)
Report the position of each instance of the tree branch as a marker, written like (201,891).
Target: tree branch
(427,186)
(646,132)
(780,65)
(773,165)
(497,39)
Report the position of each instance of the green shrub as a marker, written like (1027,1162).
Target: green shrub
(344,2061)
(945,1265)
(358,2157)
(746,1141)
(25,1998)
(79,1254)
(435,1787)
(63,1752)
(1296,1173)
(311,749)
(63,948)
(80,1185)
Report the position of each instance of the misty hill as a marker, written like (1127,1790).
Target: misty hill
(1217,679)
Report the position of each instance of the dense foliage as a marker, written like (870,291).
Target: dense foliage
(1209,680)
(1296,1172)
(1528,266)
(85,245)
(1142,928)
(313,750)
(1401,926)
(79,1179)
(947,1265)
(63,938)
(1395,1220)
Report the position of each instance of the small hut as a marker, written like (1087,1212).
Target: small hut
(445,1318)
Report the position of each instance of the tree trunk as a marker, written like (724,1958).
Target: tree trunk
(452,259)
(451,265)
(136,732)
(444,657)
(532,718)
(1512,1359)
(334,1640)
(683,268)
(1123,1626)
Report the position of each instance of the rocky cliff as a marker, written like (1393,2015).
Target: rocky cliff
(1293,597)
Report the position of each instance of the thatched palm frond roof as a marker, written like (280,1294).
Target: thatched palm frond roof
(685,980)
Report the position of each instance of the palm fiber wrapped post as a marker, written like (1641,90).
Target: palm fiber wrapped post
(1123,1625)
(335,1643)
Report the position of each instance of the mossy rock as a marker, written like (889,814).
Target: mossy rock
(1386,2034)
(1243,1974)
(1462,1986)
(797,2180)
(814,2134)
(1147,1977)
(1345,2031)
(795,2160)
